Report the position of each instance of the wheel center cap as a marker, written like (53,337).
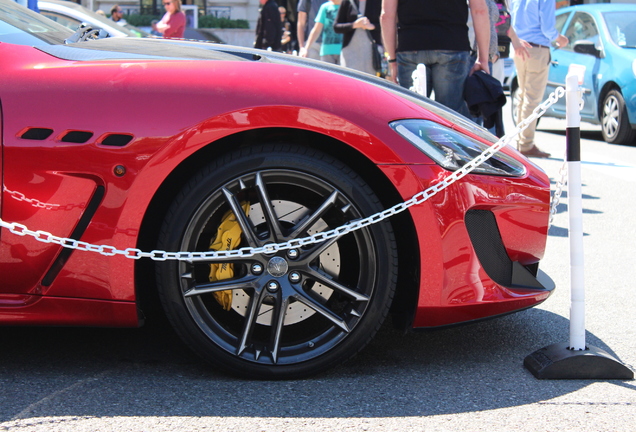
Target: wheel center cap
(277,266)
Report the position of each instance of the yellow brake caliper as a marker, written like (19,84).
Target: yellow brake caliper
(228,237)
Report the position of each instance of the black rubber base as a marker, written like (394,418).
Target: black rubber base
(559,362)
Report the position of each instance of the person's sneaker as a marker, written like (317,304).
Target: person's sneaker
(535,152)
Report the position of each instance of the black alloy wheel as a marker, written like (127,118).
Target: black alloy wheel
(292,313)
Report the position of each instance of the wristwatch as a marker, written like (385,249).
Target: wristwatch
(391,60)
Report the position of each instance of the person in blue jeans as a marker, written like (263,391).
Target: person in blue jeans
(435,33)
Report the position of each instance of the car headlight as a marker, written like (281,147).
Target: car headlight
(452,150)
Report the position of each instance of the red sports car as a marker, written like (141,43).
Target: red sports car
(137,168)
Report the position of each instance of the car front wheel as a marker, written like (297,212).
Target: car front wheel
(614,120)
(290,313)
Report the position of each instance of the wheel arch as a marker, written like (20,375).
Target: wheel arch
(405,300)
(607,87)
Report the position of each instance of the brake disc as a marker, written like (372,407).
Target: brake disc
(290,213)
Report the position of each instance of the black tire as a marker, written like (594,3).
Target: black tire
(346,285)
(614,120)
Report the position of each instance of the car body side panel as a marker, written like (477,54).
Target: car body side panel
(623,78)
(167,131)
(177,120)
(455,288)
(39,310)
(40,200)
(561,60)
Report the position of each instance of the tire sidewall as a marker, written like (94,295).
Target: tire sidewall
(233,166)
(624,133)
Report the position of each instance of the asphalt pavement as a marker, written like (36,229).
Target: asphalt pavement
(463,378)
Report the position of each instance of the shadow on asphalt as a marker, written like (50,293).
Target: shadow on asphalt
(148,372)
(562,207)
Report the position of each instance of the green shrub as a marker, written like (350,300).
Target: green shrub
(205,21)
(142,20)
(210,21)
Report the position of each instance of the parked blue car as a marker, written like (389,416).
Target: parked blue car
(603,39)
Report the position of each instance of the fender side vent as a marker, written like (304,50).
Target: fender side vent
(117,140)
(78,137)
(488,244)
(486,239)
(38,134)
(85,219)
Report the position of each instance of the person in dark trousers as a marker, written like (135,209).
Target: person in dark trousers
(435,33)
(269,31)
(287,42)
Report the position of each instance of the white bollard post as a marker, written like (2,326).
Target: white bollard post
(575,360)
(575,213)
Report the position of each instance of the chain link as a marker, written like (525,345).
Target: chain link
(19,196)
(560,183)
(245,252)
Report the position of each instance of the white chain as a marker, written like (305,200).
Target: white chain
(563,171)
(320,237)
(19,196)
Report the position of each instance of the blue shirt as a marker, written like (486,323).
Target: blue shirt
(534,20)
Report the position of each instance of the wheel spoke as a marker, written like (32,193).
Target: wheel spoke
(278,319)
(242,219)
(250,320)
(334,285)
(610,118)
(307,223)
(232,284)
(268,210)
(613,105)
(322,310)
(311,254)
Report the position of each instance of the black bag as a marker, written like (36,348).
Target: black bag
(503,46)
(376,54)
(502,26)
